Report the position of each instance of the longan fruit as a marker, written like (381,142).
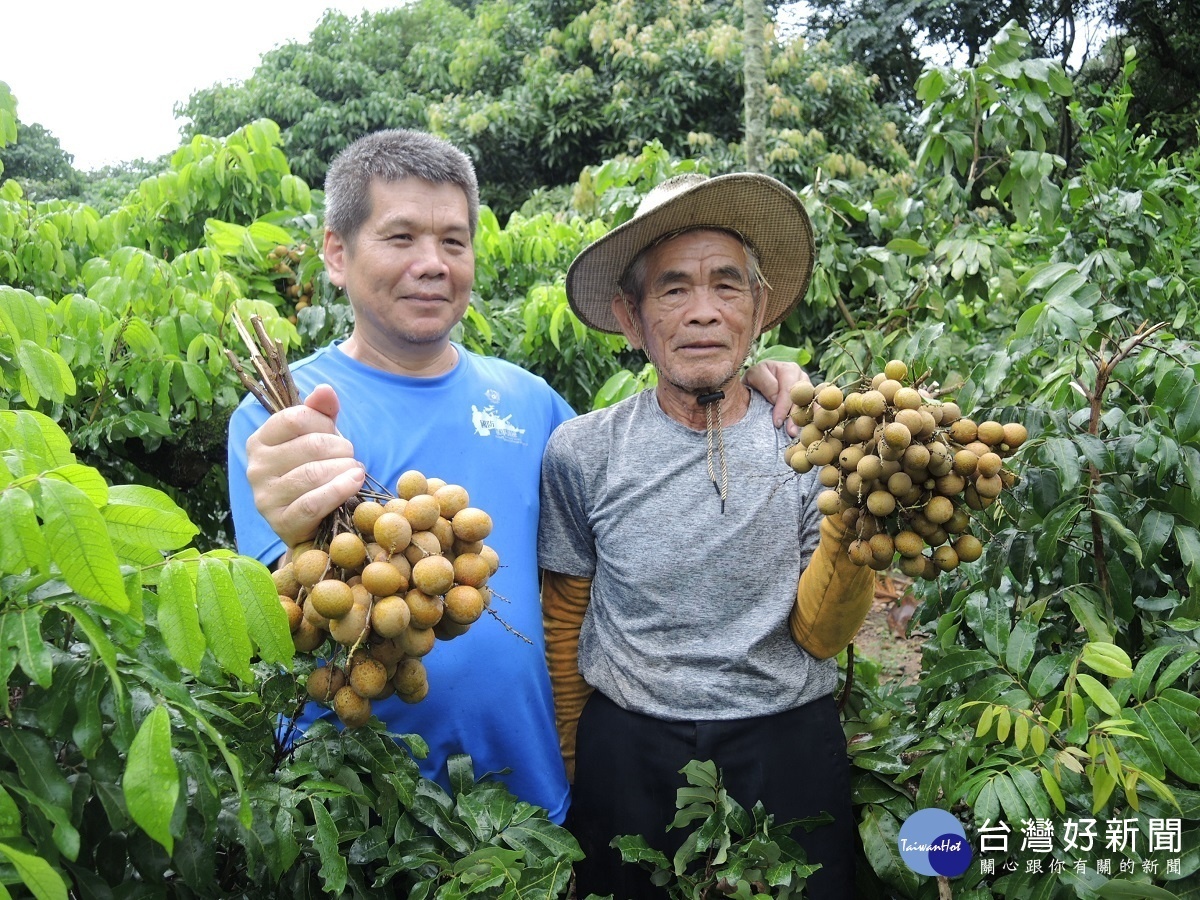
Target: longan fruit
(293,611)
(307,637)
(959,522)
(411,483)
(881,503)
(853,404)
(826,419)
(424,544)
(912,566)
(382,578)
(897,436)
(829,476)
(810,434)
(906,398)
(368,677)
(471,524)
(830,398)
(874,404)
(349,628)
(800,415)
(829,503)
(896,370)
(965,462)
(395,505)
(365,516)
(941,460)
(800,463)
(909,543)
(950,413)
(388,651)
(313,617)
(911,419)
(448,630)
(416,696)
(393,532)
(963,430)
(491,557)
(310,566)
(390,616)
(899,484)
(888,387)
(353,709)
(850,457)
(434,575)
(949,485)
(331,598)
(464,604)
(286,584)
(444,532)
(989,487)
(870,467)
(425,610)
(802,393)
(410,676)
(939,510)
(968,547)
(324,682)
(422,511)
(978,447)
(433,485)
(347,550)
(416,641)
(990,432)
(451,498)
(860,552)
(822,452)
(989,464)
(945,558)
(1014,435)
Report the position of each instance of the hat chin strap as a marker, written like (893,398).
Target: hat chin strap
(708,401)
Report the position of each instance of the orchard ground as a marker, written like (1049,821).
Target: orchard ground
(883,636)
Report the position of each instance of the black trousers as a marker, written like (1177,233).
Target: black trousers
(627,772)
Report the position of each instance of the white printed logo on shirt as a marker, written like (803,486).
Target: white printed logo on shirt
(489,423)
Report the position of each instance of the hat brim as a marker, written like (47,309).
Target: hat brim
(761,209)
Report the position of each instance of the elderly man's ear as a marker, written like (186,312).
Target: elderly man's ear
(629,328)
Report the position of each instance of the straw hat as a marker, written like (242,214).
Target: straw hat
(765,212)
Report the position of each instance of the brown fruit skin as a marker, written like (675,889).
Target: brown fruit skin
(464,604)
(353,709)
(390,616)
(285,581)
(896,370)
(471,524)
(830,398)
(308,637)
(349,628)
(1015,434)
(802,393)
(416,641)
(382,579)
(314,618)
(939,510)
(909,543)
(945,558)
(389,652)
(991,433)
(968,548)
(425,610)
(913,566)
(331,598)
(348,551)
(393,532)
(444,532)
(989,464)
(324,682)
(411,483)
(368,677)
(422,512)
(410,676)
(294,613)
(310,566)
(989,487)
(434,575)
(492,557)
(963,431)
(415,697)
(451,498)
(365,515)
(424,543)
(448,629)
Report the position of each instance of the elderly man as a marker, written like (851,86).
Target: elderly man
(686,566)
(400,214)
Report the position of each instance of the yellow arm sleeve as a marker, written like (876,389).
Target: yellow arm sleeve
(833,597)
(564,602)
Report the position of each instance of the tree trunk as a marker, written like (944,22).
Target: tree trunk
(754,74)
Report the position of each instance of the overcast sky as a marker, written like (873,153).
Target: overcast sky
(105,76)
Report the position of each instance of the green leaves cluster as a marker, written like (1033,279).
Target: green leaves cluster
(730,853)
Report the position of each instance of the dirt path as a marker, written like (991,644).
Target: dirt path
(881,637)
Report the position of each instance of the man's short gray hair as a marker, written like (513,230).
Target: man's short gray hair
(391,156)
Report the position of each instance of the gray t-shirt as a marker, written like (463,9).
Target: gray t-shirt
(688,618)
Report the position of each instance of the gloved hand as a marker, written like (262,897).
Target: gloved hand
(834,595)
(565,600)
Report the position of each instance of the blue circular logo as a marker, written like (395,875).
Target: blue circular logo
(933,842)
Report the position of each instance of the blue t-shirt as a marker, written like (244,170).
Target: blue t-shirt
(483,425)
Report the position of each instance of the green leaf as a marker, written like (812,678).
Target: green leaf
(22,546)
(40,374)
(1021,645)
(1011,801)
(1146,668)
(880,834)
(36,765)
(21,630)
(79,545)
(87,479)
(1178,752)
(37,874)
(103,647)
(1052,789)
(39,437)
(151,782)
(1048,673)
(1175,669)
(178,615)
(222,618)
(268,623)
(146,516)
(1128,538)
(1156,529)
(1133,890)
(1107,659)
(1098,693)
(334,870)
(907,247)
(1086,606)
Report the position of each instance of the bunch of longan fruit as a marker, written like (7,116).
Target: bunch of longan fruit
(385,578)
(902,470)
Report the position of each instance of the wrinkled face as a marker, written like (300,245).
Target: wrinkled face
(409,269)
(698,317)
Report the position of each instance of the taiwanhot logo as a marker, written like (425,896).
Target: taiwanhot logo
(933,842)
